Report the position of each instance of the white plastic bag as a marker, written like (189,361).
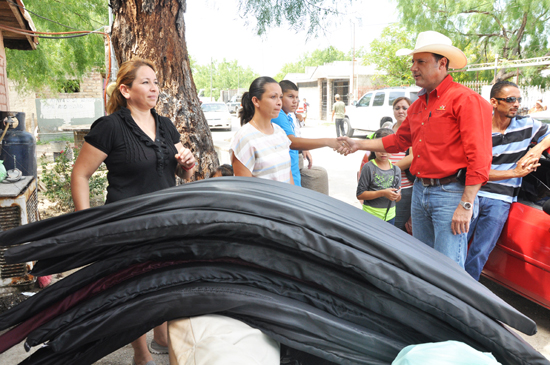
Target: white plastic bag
(443,353)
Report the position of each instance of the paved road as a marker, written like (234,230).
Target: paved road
(342,184)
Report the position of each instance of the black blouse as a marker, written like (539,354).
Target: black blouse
(136,164)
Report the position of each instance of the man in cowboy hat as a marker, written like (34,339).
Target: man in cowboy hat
(449,129)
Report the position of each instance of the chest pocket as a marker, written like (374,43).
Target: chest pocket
(440,128)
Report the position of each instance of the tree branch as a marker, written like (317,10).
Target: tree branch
(490,15)
(521,32)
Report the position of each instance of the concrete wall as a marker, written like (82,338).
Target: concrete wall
(4,93)
(70,111)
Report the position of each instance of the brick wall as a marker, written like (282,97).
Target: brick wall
(91,86)
(23,102)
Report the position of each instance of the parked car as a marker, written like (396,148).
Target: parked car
(521,258)
(234,104)
(375,108)
(217,115)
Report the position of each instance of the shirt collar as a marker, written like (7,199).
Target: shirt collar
(441,88)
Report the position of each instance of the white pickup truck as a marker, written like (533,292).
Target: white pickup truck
(375,108)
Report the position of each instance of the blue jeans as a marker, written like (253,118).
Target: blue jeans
(392,221)
(432,211)
(403,208)
(486,229)
(339,127)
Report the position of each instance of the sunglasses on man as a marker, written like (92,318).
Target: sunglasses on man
(510,99)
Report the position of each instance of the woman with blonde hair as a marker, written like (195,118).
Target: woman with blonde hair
(142,152)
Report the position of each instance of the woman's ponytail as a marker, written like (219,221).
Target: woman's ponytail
(247,111)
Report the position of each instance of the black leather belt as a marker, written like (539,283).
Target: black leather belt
(436,182)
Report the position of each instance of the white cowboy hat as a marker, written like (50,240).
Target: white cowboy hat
(435,42)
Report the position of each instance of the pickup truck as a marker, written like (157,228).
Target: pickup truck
(375,108)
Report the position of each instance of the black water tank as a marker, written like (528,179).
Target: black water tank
(19,143)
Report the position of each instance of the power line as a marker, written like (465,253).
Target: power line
(40,16)
(50,20)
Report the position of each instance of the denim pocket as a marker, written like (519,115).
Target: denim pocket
(454,187)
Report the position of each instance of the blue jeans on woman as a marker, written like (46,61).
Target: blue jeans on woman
(432,211)
(486,229)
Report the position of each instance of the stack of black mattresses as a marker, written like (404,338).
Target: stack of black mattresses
(313,273)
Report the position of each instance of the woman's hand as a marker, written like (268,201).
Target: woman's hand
(186,162)
(186,159)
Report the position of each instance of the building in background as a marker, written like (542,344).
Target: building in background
(319,84)
(13,15)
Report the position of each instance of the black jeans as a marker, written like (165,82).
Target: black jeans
(339,127)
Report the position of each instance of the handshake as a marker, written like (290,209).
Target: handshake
(345,145)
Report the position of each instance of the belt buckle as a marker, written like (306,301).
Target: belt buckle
(427,184)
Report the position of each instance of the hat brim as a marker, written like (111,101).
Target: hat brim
(457,58)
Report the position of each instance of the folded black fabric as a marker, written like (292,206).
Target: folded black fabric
(311,272)
(304,221)
(332,338)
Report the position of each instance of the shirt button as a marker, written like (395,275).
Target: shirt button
(418,173)
(418,156)
(422,123)
(419,140)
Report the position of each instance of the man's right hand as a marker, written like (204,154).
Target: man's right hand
(348,145)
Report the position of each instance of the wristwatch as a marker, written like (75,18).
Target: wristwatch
(466,205)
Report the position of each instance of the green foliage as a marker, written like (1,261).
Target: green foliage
(297,14)
(392,70)
(514,29)
(57,60)
(225,75)
(56,177)
(316,58)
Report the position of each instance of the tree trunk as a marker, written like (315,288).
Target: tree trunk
(155,30)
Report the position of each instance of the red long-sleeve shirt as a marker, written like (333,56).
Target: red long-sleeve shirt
(450,132)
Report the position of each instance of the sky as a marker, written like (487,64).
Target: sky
(215,30)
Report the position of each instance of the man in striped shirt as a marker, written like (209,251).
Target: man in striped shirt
(512,160)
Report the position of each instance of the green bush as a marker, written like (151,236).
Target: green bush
(56,177)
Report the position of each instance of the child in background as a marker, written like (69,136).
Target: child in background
(284,120)
(223,170)
(379,184)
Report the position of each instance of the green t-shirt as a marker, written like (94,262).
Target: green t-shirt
(373,178)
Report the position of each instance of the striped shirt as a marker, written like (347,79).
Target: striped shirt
(395,158)
(265,155)
(508,149)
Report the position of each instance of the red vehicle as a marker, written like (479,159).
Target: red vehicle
(521,258)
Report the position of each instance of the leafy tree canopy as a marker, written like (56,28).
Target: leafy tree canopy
(225,75)
(57,60)
(310,15)
(392,70)
(512,29)
(316,58)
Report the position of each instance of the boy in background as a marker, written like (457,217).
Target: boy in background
(285,121)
